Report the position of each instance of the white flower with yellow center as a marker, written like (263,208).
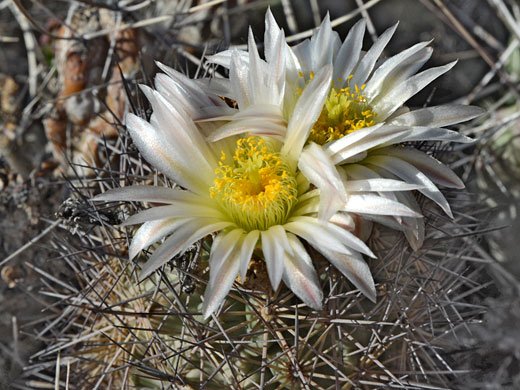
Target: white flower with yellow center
(245,189)
(361,115)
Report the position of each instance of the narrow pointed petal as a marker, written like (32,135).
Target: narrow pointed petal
(224,251)
(173,92)
(300,276)
(439,116)
(378,185)
(275,83)
(151,232)
(360,172)
(315,233)
(183,238)
(436,134)
(148,194)
(430,166)
(159,153)
(180,133)
(223,58)
(179,210)
(376,81)
(254,126)
(273,249)
(238,75)
(327,234)
(374,204)
(223,245)
(306,112)
(406,69)
(257,73)
(323,45)
(271,36)
(352,138)
(355,269)
(415,233)
(408,88)
(317,167)
(366,65)
(348,54)
(383,135)
(246,252)
(411,174)
(266,112)
(215,86)
(344,221)
(190,86)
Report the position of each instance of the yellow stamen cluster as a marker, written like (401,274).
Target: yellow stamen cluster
(345,111)
(254,188)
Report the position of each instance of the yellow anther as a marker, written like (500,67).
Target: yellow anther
(345,110)
(256,190)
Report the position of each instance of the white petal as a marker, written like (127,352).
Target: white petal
(222,246)
(360,172)
(430,166)
(215,86)
(238,74)
(376,81)
(306,112)
(254,126)
(275,82)
(271,36)
(355,269)
(327,234)
(323,46)
(257,74)
(344,221)
(246,252)
(438,116)
(300,276)
(266,112)
(314,233)
(221,277)
(348,54)
(374,204)
(183,238)
(159,153)
(173,92)
(273,247)
(371,137)
(190,87)
(367,63)
(151,232)
(410,174)
(415,233)
(378,185)
(403,71)
(223,58)
(179,210)
(303,54)
(405,90)
(436,134)
(352,138)
(140,193)
(317,167)
(181,135)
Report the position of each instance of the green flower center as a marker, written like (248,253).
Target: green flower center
(255,189)
(345,111)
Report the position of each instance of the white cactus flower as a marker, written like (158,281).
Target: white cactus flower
(245,189)
(362,114)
